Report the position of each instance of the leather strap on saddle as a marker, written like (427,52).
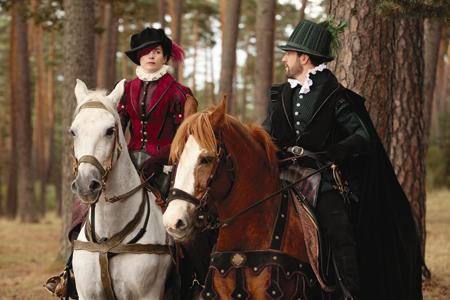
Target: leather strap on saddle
(312,238)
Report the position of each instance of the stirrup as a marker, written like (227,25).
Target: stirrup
(60,286)
(57,285)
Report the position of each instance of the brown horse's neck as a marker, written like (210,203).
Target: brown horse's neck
(254,181)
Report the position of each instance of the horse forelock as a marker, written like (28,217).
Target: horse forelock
(199,126)
(100,96)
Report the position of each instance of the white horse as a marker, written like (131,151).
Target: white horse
(139,269)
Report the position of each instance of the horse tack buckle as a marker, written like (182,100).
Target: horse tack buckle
(238,259)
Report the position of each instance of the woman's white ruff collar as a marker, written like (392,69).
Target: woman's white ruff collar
(308,81)
(145,76)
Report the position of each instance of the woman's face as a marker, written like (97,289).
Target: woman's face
(153,61)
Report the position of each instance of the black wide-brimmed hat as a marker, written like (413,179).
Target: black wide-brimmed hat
(310,38)
(147,38)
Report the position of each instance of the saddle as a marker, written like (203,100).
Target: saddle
(304,196)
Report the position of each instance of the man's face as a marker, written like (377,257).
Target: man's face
(292,64)
(153,61)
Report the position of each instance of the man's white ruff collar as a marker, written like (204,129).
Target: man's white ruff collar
(308,81)
(145,76)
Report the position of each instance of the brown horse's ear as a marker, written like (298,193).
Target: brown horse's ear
(217,116)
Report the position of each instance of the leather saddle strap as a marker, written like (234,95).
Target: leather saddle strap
(120,236)
(106,276)
(122,248)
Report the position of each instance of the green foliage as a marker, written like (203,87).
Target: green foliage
(335,29)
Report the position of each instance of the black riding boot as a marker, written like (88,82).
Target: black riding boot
(336,226)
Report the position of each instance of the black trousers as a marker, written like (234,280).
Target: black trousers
(336,226)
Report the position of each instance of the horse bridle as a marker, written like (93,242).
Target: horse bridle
(104,171)
(205,219)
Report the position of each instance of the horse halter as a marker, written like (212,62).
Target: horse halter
(204,218)
(91,159)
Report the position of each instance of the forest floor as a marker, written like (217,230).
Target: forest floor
(28,251)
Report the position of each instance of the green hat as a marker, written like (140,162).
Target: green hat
(310,38)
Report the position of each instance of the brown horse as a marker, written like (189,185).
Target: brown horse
(231,169)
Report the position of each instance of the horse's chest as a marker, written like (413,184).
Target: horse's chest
(132,276)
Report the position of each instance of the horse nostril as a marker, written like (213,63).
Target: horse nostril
(180,224)
(94,186)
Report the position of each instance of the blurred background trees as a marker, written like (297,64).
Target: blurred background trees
(394,53)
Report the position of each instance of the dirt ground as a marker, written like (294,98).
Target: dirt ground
(28,251)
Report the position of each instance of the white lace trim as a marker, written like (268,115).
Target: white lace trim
(306,87)
(145,76)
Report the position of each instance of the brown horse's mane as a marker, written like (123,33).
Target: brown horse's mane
(199,125)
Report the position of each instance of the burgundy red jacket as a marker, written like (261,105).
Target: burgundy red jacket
(154,110)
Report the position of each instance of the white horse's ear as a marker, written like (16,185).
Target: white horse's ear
(81,91)
(117,93)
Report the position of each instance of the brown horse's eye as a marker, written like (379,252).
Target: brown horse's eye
(110,131)
(205,160)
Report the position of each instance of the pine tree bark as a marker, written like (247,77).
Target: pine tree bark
(162,13)
(49,151)
(106,65)
(407,150)
(22,97)
(265,27)
(195,37)
(302,9)
(229,42)
(79,63)
(367,70)
(11,198)
(176,12)
(432,39)
(40,120)
(389,74)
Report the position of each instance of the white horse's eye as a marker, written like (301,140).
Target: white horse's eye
(110,131)
(72,132)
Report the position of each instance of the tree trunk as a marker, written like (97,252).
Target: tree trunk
(367,70)
(245,77)
(407,150)
(176,10)
(11,198)
(439,87)
(302,9)
(432,38)
(389,74)
(49,151)
(211,63)
(78,63)
(40,123)
(228,63)
(162,13)
(22,97)
(265,25)
(106,65)
(195,36)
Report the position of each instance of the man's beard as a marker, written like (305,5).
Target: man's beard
(293,73)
